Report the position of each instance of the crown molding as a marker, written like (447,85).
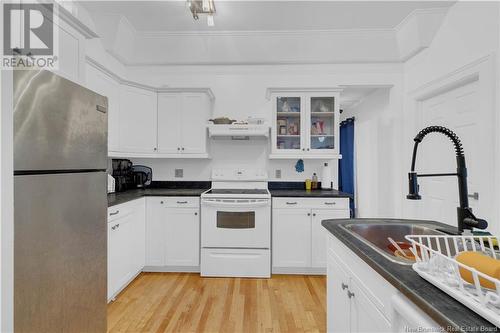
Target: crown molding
(94,63)
(417,12)
(74,22)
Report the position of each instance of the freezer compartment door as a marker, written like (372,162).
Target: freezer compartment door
(58,124)
(60,248)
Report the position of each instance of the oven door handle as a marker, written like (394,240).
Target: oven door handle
(235,204)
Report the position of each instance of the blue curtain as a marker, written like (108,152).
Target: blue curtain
(346,165)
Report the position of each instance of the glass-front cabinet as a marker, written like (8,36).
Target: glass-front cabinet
(305,123)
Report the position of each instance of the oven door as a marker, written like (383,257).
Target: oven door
(236,223)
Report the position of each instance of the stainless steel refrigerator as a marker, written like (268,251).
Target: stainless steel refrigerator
(60,205)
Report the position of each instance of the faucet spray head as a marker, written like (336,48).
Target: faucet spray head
(413,187)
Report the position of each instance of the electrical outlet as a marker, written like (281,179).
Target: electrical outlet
(179,173)
(277,173)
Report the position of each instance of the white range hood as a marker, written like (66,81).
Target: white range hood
(238,131)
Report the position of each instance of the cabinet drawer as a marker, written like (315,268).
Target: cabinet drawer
(119,211)
(176,202)
(330,203)
(124,209)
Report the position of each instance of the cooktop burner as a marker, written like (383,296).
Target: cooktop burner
(237,191)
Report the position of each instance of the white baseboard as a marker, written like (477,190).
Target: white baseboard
(300,270)
(171,269)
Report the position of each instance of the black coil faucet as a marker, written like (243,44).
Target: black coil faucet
(465,217)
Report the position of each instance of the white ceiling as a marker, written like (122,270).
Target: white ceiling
(174,16)
(266,32)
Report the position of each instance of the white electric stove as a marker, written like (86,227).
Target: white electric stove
(236,225)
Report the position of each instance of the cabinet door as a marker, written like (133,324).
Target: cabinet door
(194,123)
(106,86)
(139,237)
(137,129)
(120,265)
(288,126)
(338,304)
(319,233)
(113,259)
(322,123)
(365,317)
(169,123)
(182,237)
(291,238)
(155,231)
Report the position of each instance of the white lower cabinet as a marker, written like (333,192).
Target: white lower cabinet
(173,234)
(360,300)
(299,243)
(126,244)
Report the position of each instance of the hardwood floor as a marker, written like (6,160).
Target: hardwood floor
(184,302)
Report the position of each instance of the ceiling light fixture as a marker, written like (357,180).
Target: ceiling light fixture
(203,7)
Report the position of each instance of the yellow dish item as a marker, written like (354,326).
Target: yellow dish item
(308,184)
(481,263)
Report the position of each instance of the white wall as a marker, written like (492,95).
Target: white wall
(469,32)
(377,153)
(240,92)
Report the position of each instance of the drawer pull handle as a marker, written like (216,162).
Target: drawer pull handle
(344,286)
(182,202)
(114,213)
(330,203)
(291,203)
(350,294)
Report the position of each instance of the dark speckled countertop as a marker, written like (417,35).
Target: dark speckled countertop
(446,311)
(297,189)
(160,189)
(195,189)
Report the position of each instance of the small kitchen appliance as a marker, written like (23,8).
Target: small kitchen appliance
(143,175)
(123,174)
(236,225)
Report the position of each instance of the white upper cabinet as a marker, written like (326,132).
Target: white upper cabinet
(195,115)
(169,119)
(137,121)
(103,84)
(305,123)
(182,122)
(155,123)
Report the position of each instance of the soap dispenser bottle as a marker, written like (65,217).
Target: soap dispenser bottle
(314,184)
(326,179)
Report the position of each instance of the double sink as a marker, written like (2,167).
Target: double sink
(376,235)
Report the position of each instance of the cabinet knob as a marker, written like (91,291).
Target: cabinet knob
(307,149)
(308,214)
(350,294)
(178,148)
(344,286)
(155,149)
(303,149)
(314,214)
(161,202)
(196,213)
(182,148)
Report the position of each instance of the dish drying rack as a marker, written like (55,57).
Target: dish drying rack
(435,263)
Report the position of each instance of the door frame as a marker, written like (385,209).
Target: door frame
(482,71)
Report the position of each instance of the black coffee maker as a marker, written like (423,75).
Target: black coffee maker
(123,174)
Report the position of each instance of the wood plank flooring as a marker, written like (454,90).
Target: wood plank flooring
(184,302)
